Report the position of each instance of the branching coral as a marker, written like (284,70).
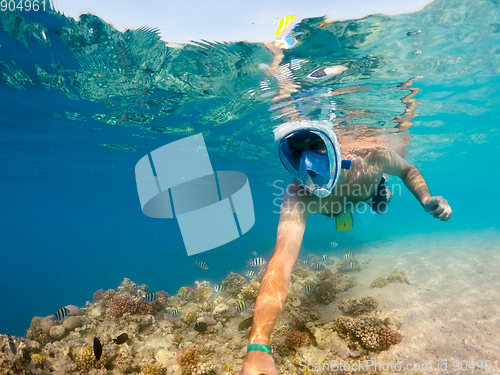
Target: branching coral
(233,283)
(85,359)
(122,304)
(200,294)
(370,332)
(37,359)
(302,272)
(153,369)
(249,292)
(325,274)
(305,315)
(127,286)
(354,307)
(189,360)
(184,293)
(325,292)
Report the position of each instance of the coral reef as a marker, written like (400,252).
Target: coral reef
(153,369)
(85,359)
(124,304)
(325,292)
(296,339)
(190,364)
(162,338)
(98,295)
(394,277)
(36,333)
(354,307)
(370,332)
(379,282)
(398,277)
(233,283)
(249,292)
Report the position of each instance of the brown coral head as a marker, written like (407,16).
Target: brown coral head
(296,339)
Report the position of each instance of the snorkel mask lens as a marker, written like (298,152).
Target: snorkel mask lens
(307,158)
(310,151)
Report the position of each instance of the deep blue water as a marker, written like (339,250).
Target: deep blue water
(71,221)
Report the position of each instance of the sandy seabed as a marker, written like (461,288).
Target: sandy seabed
(450,310)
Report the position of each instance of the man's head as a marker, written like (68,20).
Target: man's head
(309,150)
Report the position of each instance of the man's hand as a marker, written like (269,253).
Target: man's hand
(438,207)
(257,363)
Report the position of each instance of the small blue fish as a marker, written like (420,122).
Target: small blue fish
(256,262)
(241,307)
(61,314)
(175,313)
(150,297)
(348,255)
(202,265)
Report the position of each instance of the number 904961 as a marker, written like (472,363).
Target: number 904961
(22,5)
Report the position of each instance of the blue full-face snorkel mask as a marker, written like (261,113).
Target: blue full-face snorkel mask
(316,172)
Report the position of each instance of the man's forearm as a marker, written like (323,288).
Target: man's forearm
(415,182)
(272,295)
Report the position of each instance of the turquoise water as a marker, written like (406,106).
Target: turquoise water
(82,103)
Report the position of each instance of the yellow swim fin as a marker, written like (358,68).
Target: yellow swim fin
(344,222)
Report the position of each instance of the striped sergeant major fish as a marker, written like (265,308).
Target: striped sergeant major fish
(325,257)
(348,255)
(250,274)
(219,288)
(175,313)
(308,288)
(150,297)
(61,314)
(202,265)
(256,262)
(242,306)
(317,266)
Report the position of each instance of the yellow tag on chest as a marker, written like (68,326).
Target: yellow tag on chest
(344,222)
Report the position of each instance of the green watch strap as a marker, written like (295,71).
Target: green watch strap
(260,348)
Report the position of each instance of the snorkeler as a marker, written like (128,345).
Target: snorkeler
(333,172)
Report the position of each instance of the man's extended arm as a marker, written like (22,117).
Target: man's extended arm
(414,181)
(274,287)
